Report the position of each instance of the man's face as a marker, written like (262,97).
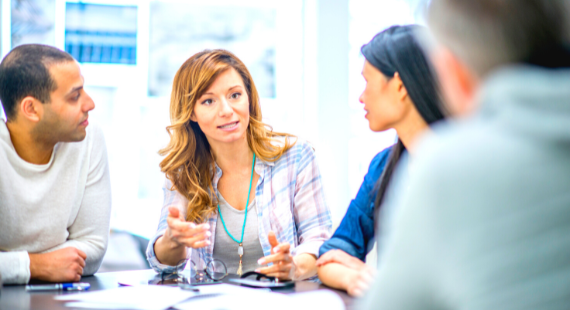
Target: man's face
(65,117)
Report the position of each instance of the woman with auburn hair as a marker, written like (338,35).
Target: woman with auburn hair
(235,191)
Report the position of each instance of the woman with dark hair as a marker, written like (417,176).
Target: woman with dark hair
(401,93)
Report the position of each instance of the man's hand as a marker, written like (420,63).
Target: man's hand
(341,257)
(63,265)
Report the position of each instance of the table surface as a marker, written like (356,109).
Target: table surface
(15,297)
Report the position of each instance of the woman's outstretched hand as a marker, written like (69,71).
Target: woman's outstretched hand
(186,233)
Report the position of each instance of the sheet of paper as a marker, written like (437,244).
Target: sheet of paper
(133,297)
(132,282)
(319,299)
(251,300)
(91,305)
(226,289)
(258,300)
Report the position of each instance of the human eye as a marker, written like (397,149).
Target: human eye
(236,95)
(76,97)
(207,102)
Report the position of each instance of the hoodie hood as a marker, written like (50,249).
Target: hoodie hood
(530,100)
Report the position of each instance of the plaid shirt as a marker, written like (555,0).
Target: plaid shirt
(290,202)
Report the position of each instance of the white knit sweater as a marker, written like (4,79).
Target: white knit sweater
(65,203)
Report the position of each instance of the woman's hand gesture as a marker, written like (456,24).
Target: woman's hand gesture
(185,233)
(283,263)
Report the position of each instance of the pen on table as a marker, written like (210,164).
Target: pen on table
(59,286)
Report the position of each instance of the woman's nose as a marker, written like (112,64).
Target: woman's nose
(226,109)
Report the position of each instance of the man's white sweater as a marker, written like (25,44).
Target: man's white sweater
(65,203)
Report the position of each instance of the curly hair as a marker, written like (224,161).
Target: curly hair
(189,163)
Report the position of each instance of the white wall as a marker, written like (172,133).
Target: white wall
(318,84)
(333,112)
(5,38)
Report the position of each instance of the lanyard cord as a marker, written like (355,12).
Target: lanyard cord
(247,204)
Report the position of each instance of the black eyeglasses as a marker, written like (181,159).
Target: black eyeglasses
(215,270)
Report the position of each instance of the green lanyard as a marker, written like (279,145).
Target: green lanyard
(247,204)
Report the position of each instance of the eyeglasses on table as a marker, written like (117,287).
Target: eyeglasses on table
(215,270)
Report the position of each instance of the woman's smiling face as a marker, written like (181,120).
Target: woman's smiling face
(222,112)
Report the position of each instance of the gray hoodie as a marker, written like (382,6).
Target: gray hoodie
(486,221)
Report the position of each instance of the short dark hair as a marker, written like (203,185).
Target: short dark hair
(487,34)
(25,72)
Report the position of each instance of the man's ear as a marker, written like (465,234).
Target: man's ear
(466,80)
(458,82)
(31,109)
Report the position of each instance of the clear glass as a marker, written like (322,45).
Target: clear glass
(216,269)
(185,273)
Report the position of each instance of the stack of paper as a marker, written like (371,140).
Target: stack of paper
(135,297)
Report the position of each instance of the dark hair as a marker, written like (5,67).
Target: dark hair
(25,72)
(397,50)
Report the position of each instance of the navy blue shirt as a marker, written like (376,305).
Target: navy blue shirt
(355,234)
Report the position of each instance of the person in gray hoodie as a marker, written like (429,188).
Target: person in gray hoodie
(485,223)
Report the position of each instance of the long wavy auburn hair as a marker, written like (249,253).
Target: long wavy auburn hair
(189,162)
